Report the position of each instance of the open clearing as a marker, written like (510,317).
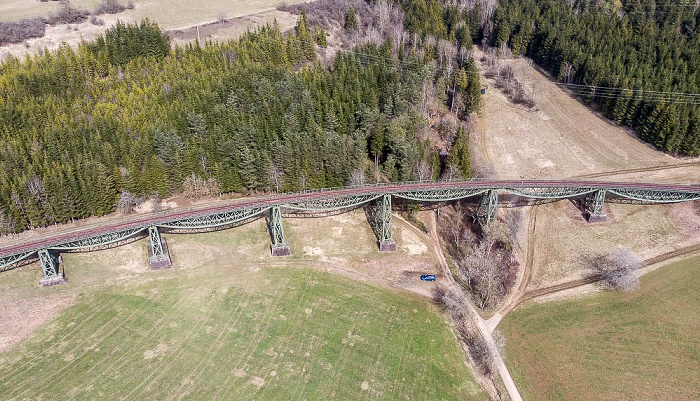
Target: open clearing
(175,16)
(561,138)
(231,322)
(613,346)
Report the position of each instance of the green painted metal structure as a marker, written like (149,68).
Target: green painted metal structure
(594,195)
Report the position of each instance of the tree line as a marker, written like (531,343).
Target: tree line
(126,115)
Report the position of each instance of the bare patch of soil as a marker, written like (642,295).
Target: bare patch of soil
(232,28)
(20,317)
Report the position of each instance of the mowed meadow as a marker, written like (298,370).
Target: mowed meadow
(231,322)
(643,345)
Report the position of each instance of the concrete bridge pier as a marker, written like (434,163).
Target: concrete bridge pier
(384,225)
(279,246)
(158,255)
(594,203)
(50,267)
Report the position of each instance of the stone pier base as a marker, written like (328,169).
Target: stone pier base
(54,280)
(159,262)
(595,218)
(387,246)
(281,250)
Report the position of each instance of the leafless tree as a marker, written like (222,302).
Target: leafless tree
(197,187)
(618,269)
(423,171)
(485,266)
(302,181)
(451,172)
(275,176)
(128,202)
(7,224)
(357,177)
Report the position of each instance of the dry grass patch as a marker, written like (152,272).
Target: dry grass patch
(563,239)
(621,346)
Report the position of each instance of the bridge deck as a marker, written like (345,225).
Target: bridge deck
(23,246)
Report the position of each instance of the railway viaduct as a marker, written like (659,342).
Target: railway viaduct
(591,194)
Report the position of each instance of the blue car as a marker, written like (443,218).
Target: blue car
(428,277)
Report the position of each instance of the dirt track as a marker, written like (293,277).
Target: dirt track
(589,280)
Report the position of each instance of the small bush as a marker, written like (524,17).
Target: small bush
(67,14)
(109,7)
(96,21)
(19,31)
(130,5)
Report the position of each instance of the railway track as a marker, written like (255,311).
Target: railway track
(397,189)
(638,170)
(593,279)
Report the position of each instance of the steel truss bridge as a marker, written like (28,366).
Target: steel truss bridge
(591,196)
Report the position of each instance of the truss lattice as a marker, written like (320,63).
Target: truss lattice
(548,192)
(652,196)
(331,204)
(440,195)
(7,262)
(488,207)
(214,220)
(99,240)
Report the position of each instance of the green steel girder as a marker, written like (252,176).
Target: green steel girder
(276,229)
(155,243)
(488,207)
(651,196)
(548,192)
(49,264)
(594,203)
(215,220)
(331,204)
(7,261)
(439,195)
(382,219)
(98,240)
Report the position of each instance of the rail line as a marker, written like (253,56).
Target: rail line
(422,191)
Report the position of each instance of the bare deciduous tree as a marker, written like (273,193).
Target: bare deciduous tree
(128,202)
(423,171)
(618,269)
(197,187)
(451,172)
(357,177)
(275,176)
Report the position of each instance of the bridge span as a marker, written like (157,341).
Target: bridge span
(593,195)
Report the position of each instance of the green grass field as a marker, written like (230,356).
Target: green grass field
(611,346)
(230,322)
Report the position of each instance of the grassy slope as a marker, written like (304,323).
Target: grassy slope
(644,345)
(224,319)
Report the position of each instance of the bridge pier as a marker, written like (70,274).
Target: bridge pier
(384,225)
(594,204)
(158,255)
(50,267)
(488,207)
(279,246)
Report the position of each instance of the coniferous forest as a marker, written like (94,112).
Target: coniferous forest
(631,49)
(126,114)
